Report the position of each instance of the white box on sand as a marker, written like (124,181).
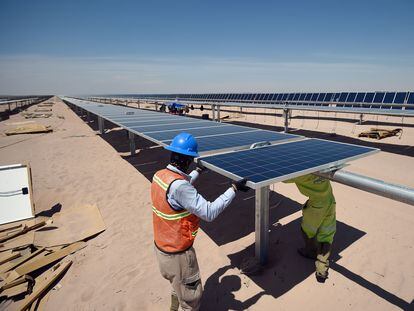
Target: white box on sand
(16,201)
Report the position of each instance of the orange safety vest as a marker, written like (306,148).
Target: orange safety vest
(174,231)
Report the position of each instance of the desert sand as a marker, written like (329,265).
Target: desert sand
(373,258)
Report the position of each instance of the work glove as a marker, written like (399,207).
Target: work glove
(200,168)
(240,185)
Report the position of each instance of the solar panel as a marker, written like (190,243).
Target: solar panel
(161,128)
(321,97)
(378,98)
(268,165)
(239,140)
(410,100)
(314,96)
(351,97)
(369,97)
(302,96)
(168,127)
(389,98)
(328,97)
(198,132)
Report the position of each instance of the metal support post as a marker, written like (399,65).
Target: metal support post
(218,114)
(241,109)
(101,125)
(361,116)
(286,117)
(156,107)
(213,112)
(376,186)
(262,224)
(131,143)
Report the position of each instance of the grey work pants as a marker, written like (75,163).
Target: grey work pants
(182,271)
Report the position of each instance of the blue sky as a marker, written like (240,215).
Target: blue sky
(101,47)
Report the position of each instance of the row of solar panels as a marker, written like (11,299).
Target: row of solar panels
(349,99)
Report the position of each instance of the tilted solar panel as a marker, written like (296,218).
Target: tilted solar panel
(268,165)
(389,98)
(410,101)
(369,97)
(378,98)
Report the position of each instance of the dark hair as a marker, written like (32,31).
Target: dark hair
(181,161)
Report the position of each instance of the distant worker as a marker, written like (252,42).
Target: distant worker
(177,209)
(318,222)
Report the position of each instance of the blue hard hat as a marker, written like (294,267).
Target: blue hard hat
(184,143)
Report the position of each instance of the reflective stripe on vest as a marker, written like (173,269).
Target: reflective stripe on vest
(170,217)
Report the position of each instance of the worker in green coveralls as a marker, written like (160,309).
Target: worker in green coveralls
(318,222)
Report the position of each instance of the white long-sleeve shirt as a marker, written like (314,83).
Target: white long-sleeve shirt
(182,195)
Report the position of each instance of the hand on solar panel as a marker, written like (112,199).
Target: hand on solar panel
(240,185)
(200,168)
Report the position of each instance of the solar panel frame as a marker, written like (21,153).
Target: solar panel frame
(259,157)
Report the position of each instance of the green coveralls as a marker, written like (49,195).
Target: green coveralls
(319,215)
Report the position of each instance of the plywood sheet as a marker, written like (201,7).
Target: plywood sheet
(72,225)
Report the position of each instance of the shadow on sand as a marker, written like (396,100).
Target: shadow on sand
(285,268)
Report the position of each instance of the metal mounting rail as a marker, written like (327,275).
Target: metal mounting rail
(392,191)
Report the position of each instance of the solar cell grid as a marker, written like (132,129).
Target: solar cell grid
(321,96)
(167,127)
(351,97)
(400,98)
(314,96)
(389,98)
(410,101)
(264,166)
(369,97)
(200,132)
(239,139)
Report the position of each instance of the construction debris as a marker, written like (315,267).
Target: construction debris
(377,133)
(21,259)
(45,105)
(29,129)
(42,110)
(28,115)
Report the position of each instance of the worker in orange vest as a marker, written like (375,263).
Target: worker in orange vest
(177,208)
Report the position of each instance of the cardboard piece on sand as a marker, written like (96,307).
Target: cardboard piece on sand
(29,129)
(72,225)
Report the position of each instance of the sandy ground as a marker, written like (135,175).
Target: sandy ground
(373,258)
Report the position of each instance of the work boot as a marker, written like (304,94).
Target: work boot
(309,250)
(322,261)
(175,304)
